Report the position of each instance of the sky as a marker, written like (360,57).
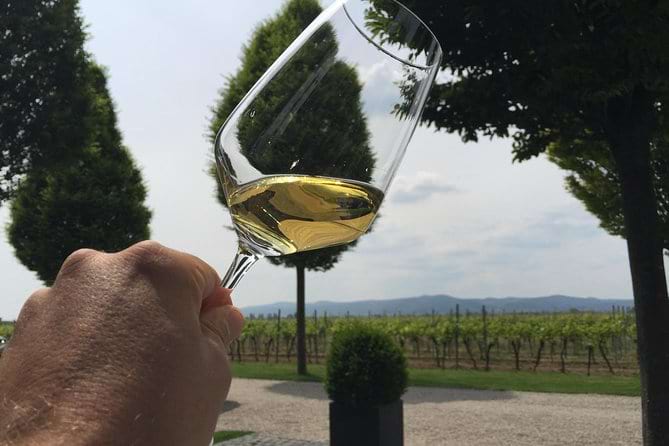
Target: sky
(459,219)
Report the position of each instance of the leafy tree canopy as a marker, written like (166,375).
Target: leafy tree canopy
(554,76)
(594,180)
(544,72)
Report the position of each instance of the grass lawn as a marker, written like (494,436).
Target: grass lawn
(467,379)
(228,435)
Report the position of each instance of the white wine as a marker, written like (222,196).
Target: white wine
(293,213)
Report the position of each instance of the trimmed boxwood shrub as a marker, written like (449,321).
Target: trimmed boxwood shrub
(365,367)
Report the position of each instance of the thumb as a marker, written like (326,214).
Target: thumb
(223,324)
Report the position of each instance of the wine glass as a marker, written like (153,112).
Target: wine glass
(306,157)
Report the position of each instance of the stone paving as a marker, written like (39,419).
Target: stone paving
(268,440)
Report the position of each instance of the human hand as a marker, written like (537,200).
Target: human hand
(125,348)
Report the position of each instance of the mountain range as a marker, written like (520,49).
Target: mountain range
(443,303)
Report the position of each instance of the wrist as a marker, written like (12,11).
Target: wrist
(48,403)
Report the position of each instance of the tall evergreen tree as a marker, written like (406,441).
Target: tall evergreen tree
(95,201)
(44,102)
(332,127)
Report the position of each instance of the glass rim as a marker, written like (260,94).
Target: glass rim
(431,57)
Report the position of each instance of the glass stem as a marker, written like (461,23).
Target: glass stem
(243,261)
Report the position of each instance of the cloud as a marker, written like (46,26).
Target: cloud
(419,187)
(380,87)
(550,231)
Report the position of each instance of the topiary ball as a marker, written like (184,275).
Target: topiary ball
(365,367)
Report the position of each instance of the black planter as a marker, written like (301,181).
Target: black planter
(366,426)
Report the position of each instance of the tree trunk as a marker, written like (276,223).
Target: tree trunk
(268,349)
(255,348)
(516,353)
(316,349)
(301,326)
(436,352)
(542,343)
(487,356)
(630,122)
(469,352)
(602,351)
(289,348)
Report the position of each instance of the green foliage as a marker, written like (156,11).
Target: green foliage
(329,126)
(267,43)
(44,103)
(433,337)
(221,436)
(6,330)
(365,367)
(553,75)
(94,202)
(542,72)
(594,180)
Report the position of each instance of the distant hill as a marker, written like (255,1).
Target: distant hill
(444,304)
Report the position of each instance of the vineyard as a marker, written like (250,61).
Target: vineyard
(566,342)
(6,329)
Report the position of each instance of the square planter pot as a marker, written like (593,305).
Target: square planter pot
(366,426)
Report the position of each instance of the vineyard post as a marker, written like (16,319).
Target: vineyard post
(278,335)
(316,336)
(301,325)
(485,338)
(457,336)
(325,332)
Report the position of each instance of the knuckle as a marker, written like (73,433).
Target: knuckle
(147,250)
(219,333)
(32,308)
(38,296)
(75,261)
(149,246)
(145,253)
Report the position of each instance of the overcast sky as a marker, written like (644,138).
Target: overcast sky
(459,219)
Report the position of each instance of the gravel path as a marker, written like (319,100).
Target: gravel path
(269,440)
(292,410)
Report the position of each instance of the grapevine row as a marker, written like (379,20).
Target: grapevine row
(473,340)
